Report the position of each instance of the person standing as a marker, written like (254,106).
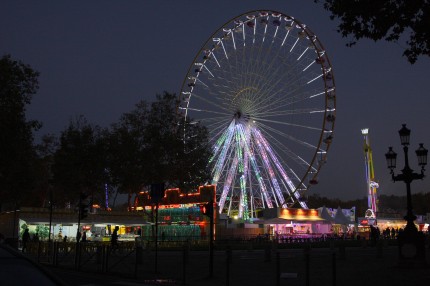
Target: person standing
(25,239)
(114,238)
(78,236)
(84,236)
(36,237)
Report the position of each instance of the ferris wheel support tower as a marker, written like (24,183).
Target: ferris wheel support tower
(370,176)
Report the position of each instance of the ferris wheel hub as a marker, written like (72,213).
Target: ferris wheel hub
(238,114)
(241,117)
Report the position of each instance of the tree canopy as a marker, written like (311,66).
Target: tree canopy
(80,162)
(177,150)
(148,146)
(393,21)
(126,151)
(18,83)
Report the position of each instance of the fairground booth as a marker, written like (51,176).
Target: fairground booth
(180,215)
(308,223)
(295,222)
(64,224)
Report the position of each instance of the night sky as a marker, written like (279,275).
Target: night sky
(99,58)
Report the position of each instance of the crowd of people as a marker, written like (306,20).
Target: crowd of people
(374,235)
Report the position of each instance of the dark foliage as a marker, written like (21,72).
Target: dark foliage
(80,162)
(148,145)
(18,83)
(316,201)
(393,21)
(420,203)
(388,205)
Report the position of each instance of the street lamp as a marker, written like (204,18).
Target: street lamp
(391,157)
(422,156)
(411,243)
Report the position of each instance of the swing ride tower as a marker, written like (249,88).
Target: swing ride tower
(370,177)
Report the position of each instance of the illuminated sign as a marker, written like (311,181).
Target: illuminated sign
(368,221)
(299,214)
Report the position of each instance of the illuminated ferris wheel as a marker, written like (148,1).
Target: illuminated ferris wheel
(263,86)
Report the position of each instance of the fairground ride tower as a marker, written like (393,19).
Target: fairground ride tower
(372,186)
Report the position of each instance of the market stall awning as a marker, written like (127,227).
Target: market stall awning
(325,215)
(45,220)
(310,215)
(276,220)
(340,218)
(72,218)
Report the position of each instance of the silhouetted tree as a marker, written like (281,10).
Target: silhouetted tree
(177,150)
(388,20)
(80,162)
(149,145)
(45,159)
(18,83)
(126,156)
(420,203)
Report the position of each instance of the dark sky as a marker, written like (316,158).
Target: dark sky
(99,58)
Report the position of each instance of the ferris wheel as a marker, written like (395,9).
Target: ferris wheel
(263,86)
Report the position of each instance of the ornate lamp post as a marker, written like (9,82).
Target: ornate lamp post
(411,242)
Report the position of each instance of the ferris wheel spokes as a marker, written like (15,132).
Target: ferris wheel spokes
(263,84)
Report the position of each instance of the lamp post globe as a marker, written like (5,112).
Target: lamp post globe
(391,157)
(422,156)
(405,135)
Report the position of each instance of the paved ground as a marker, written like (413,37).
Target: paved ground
(354,266)
(16,269)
